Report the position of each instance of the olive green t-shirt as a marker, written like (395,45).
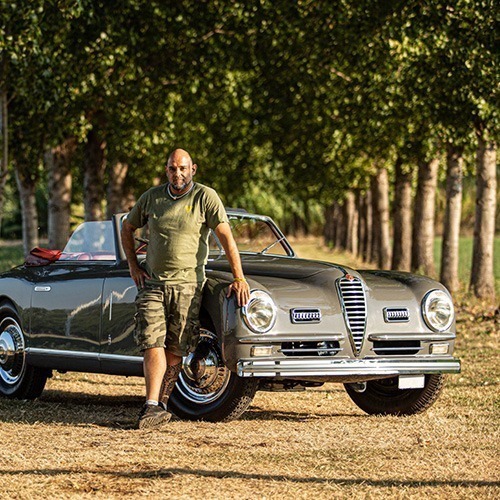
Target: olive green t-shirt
(178,231)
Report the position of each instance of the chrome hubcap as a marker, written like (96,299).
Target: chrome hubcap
(204,377)
(12,352)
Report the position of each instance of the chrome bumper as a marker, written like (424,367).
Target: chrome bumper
(331,368)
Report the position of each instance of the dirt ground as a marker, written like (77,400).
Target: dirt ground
(78,441)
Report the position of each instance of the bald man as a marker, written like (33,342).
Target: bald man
(179,215)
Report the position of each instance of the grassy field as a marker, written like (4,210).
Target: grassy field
(77,440)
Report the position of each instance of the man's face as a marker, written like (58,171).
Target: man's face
(180,171)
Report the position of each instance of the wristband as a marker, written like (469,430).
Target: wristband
(242,280)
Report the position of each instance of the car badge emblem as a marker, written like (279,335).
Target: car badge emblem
(349,277)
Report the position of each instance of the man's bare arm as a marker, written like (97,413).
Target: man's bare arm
(239,286)
(136,272)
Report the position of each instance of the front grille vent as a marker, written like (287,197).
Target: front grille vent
(353,300)
(323,348)
(396,347)
(305,315)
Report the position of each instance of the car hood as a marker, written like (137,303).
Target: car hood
(278,267)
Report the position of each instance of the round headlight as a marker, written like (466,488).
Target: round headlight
(438,310)
(260,312)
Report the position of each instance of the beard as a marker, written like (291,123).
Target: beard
(180,185)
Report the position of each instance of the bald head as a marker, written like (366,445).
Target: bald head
(179,154)
(180,170)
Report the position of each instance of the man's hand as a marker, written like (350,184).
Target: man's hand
(138,275)
(241,290)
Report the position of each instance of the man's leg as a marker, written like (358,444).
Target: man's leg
(174,367)
(155,365)
(153,414)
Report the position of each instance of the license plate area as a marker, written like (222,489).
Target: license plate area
(411,381)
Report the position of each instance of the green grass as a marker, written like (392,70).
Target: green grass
(10,256)
(465,259)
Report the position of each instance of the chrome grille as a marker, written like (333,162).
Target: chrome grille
(353,299)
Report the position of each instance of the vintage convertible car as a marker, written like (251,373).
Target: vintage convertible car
(387,336)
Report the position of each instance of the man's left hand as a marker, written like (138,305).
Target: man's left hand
(241,290)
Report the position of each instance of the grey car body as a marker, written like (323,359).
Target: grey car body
(387,336)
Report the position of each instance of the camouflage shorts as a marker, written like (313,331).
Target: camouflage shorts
(167,316)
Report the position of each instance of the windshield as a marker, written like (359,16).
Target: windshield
(254,235)
(91,241)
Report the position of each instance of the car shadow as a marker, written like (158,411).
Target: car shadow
(256,413)
(117,411)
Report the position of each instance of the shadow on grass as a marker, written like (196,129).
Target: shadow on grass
(117,411)
(169,473)
(255,413)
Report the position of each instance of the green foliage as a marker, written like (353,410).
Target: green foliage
(284,105)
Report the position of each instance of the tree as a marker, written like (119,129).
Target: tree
(401,250)
(482,278)
(451,230)
(423,220)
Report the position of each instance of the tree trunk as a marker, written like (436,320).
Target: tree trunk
(4,165)
(58,162)
(451,229)
(368,217)
(360,207)
(423,220)
(93,180)
(328,230)
(382,202)
(401,249)
(116,188)
(340,228)
(351,223)
(375,232)
(482,281)
(26,186)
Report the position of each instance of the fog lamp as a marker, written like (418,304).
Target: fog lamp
(439,348)
(261,350)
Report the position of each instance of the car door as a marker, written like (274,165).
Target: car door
(66,304)
(66,298)
(119,353)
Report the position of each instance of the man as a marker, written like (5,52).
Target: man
(180,215)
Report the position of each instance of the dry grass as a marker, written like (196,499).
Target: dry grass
(77,441)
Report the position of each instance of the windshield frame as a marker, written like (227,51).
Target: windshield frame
(278,234)
(118,220)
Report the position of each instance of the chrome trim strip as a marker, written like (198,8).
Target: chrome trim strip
(88,355)
(424,337)
(264,339)
(121,357)
(62,353)
(333,367)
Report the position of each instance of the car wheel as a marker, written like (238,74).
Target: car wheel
(17,378)
(382,397)
(206,389)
